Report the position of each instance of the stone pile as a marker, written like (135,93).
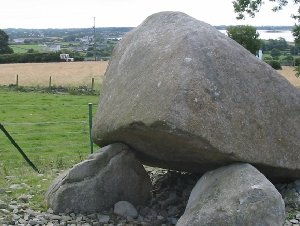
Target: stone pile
(164,208)
(169,197)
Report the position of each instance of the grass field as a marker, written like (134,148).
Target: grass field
(51,129)
(25,48)
(62,74)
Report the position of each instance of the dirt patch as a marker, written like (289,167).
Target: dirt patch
(289,74)
(62,74)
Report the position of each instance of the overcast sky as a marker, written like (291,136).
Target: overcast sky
(126,13)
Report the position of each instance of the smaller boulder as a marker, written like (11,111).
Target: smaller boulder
(104,219)
(96,184)
(232,196)
(125,209)
(297,185)
(3,205)
(291,195)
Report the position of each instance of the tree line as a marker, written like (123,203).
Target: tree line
(7,54)
(4,47)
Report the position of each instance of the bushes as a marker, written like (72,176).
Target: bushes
(288,60)
(29,58)
(274,64)
(297,61)
(297,69)
(78,58)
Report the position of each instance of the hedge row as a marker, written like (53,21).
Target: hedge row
(29,58)
(32,58)
(274,64)
(297,61)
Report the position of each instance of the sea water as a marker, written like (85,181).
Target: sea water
(273,34)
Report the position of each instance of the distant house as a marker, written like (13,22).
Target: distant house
(19,40)
(86,39)
(115,39)
(81,48)
(66,57)
(259,55)
(52,48)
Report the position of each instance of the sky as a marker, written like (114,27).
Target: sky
(127,13)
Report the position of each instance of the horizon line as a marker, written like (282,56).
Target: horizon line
(223,25)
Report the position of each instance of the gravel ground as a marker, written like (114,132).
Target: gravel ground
(170,194)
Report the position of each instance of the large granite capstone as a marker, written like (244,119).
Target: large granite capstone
(185,96)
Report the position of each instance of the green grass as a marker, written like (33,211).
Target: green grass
(51,129)
(24,48)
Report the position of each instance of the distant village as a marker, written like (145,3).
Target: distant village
(98,43)
(88,42)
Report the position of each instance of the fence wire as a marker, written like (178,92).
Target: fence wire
(54,143)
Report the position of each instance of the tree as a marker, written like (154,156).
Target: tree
(288,60)
(297,70)
(246,36)
(4,48)
(296,34)
(275,53)
(251,7)
(275,64)
(270,44)
(294,50)
(70,38)
(30,51)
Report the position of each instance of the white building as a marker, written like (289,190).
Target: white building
(66,57)
(52,48)
(260,54)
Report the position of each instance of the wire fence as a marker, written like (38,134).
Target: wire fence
(58,138)
(85,87)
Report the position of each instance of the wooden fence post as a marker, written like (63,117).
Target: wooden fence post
(93,82)
(17,80)
(90,126)
(50,82)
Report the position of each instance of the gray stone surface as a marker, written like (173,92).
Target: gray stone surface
(232,196)
(290,195)
(96,184)
(297,185)
(125,209)
(184,96)
(103,218)
(3,205)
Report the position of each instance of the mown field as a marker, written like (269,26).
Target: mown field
(62,74)
(289,74)
(52,130)
(75,73)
